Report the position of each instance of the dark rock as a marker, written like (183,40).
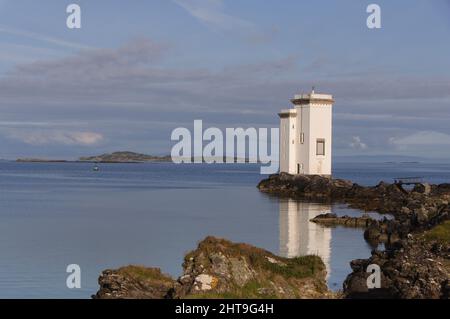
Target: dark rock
(134,282)
(422,188)
(442,189)
(334,220)
(411,269)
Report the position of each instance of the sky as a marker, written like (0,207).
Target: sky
(137,70)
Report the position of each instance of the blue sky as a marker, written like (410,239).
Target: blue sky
(138,69)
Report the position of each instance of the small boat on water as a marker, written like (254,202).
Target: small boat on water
(96,168)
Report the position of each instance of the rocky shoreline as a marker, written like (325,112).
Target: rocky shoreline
(411,265)
(221,269)
(412,268)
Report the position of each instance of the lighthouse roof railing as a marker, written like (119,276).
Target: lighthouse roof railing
(313,96)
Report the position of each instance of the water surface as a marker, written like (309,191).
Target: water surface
(56,214)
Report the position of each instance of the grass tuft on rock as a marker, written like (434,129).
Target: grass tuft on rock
(440,233)
(143,273)
(299,267)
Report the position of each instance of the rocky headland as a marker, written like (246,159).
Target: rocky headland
(221,269)
(416,259)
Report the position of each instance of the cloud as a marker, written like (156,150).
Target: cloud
(96,63)
(357,144)
(131,77)
(43,38)
(211,13)
(421,138)
(57,137)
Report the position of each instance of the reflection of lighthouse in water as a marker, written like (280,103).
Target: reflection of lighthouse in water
(299,236)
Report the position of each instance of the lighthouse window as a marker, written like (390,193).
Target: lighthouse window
(320,148)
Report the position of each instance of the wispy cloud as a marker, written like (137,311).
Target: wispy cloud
(43,38)
(57,137)
(211,13)
(421,138)
(132,77)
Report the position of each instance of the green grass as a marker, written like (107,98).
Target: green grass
(440,233)
(143,273)
(300,267)
(249,291)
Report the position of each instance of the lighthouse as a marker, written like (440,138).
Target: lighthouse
(306,135)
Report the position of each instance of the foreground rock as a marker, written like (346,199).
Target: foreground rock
(134,282)
(222,269)
(415,268)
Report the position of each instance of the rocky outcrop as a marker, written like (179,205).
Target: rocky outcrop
(411,269)
(222,269)
(376,231)
(134,282)
(306,186)
(346,221)
(420,209)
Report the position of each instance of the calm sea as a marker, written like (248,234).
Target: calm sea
(53,215)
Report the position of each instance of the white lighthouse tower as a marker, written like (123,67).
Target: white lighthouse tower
(306,135)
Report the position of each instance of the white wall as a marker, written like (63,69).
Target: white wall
(303,150)
(287,149)
(320,128)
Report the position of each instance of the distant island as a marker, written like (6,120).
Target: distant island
(39,160)
(125,157)
(116,157)
(129,157)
